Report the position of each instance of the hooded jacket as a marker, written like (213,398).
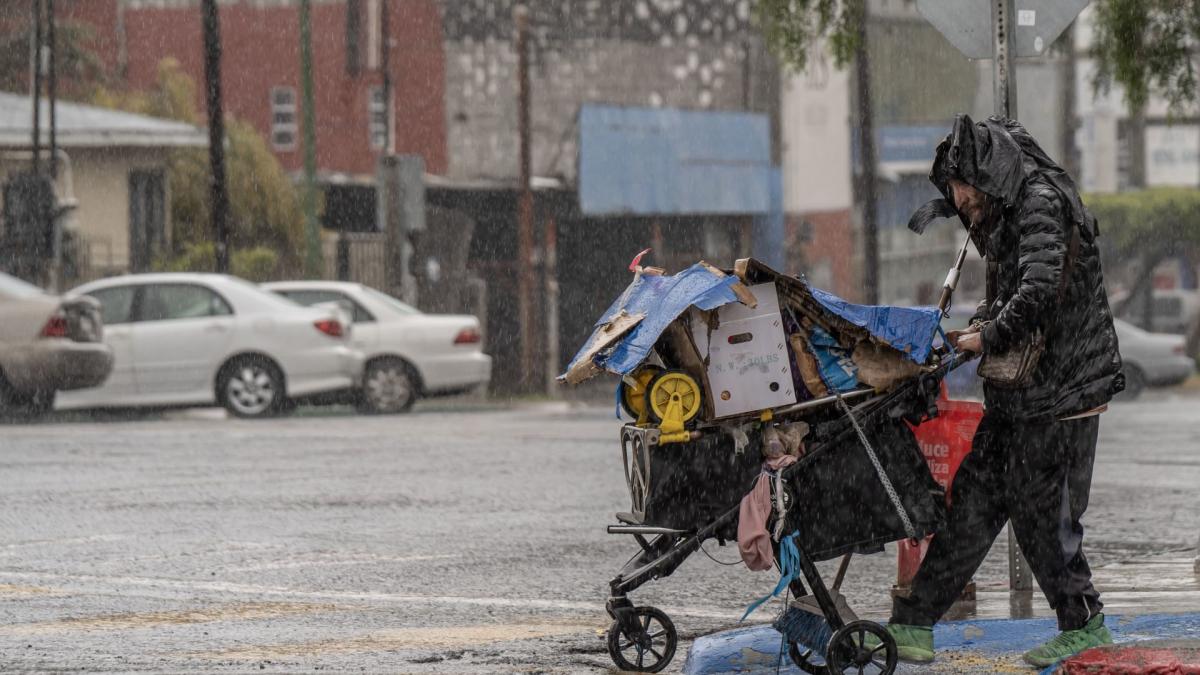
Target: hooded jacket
(1026,249)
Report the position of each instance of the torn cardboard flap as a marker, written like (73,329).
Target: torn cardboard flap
(608,335)
(739,289)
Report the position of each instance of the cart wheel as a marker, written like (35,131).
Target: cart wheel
(671,386)
(849,653)
(633,399)
(803,658)
(650,649)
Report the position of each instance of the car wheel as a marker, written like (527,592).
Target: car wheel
(1135,383)
(20,405)
(389,387)
(251,387)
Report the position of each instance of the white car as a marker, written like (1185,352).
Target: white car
(409,354)
(47,344)
(198,339)
(1152,359)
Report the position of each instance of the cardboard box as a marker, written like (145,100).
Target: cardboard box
(748,365)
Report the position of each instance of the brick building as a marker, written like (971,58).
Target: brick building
(261,78)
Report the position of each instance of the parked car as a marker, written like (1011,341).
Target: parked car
(48,344)
(197,339)
(1150,359)
(409,354)
(1172,310)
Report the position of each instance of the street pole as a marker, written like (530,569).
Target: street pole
(524,201)
(385,64)
(312,231)
(219,191)
(551,280)
(35,85)
(1004,104)
(867,174)
(1004,88)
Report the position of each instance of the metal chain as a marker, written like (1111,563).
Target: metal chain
(883,477)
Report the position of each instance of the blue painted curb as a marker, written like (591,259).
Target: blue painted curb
(757,648)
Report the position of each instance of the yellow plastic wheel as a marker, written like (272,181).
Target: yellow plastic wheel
(674,386)
(633,398)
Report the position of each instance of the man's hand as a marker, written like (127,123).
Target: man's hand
(969,342)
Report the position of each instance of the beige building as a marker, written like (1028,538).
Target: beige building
(112,168)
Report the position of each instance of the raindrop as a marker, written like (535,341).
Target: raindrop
(641,9)
(693,61)
(656,99)
(706,99)
(681,24)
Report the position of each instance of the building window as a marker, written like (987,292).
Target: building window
(283,118)
(377,113)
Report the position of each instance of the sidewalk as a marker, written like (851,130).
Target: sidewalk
(1152,607)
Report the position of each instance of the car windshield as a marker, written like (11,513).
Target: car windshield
(13,287)
(398,306)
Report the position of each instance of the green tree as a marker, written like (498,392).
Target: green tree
(78,66)
(793,28)
(264,207)
(1147,46)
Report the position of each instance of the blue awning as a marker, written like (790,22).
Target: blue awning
(662,161)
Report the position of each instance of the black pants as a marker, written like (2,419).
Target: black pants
(1036,475)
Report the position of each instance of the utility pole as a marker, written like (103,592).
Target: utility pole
(385,64)
(312,231)
(524,201)
(867,175)
(35,81)
(52,87)
(216,133)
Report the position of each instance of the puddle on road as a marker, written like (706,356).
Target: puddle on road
(441,637)
(137,620)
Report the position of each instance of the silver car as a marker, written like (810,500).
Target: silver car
(48,343)
(1152,359)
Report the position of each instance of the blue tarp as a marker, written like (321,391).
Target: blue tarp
(909,329)
(663,298)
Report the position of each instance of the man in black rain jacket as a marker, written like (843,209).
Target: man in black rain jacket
(1031,458)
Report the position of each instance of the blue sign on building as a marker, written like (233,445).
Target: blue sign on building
(660,161)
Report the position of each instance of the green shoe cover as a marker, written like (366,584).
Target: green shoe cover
(914,644)
(1069,643)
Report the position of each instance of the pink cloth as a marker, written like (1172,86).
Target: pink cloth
(754,541)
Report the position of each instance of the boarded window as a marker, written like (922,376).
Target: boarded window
(147,218)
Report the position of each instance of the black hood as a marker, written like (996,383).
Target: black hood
(998,157)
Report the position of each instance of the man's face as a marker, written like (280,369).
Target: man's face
(970,201)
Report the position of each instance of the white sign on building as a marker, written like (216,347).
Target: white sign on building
(1172,155)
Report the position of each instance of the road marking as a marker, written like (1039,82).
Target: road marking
(364,559)
(187,588)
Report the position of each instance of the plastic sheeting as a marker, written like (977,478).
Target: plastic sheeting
(908,329)
(662,299)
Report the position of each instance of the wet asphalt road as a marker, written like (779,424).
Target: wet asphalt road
(456,539)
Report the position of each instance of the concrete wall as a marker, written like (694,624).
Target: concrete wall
(700,55)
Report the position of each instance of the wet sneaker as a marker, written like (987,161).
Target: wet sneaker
(1069,643)
(914,644)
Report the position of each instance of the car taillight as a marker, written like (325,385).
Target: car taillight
(56,327)
(468,336)
(1179,350)
(330,327)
